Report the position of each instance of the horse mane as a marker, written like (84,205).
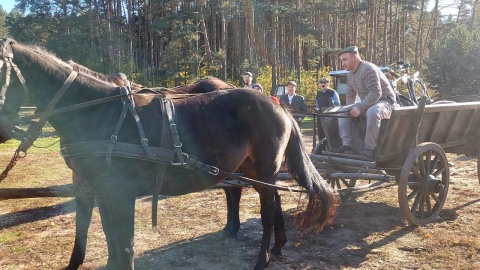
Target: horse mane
(48,58)
(211,78)
(91,74)
(47,55)
(203,85)
(100,76)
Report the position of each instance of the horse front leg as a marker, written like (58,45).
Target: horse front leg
(84,205)
(117,213)
(267,215)
(109,235)
(279,226)
(232,227)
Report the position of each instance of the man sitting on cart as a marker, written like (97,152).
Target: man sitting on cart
(377,100)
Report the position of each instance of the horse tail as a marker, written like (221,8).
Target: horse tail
(322,199)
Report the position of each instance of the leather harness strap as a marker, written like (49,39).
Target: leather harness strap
(35,128)
(169,130)
(168,111)
(7,59)
(128,105)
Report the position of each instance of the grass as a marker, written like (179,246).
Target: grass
(307,124)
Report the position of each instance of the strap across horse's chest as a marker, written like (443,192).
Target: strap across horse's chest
(163,155)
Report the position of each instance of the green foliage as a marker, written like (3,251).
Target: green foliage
(3,23)
(454,64)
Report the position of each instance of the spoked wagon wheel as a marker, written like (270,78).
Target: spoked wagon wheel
(478,165)
(320,147)
(423,183)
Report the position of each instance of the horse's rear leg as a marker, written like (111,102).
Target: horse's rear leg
(267,214)
(279,226)
(82,223)
(232,227)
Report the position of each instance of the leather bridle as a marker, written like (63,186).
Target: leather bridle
(35,127)
(7,60)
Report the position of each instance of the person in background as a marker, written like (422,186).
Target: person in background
(294,101)
(326,97)
(257,86)
(247,80)
(324,94)
(377,100)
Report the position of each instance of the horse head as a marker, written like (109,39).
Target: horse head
(13,92)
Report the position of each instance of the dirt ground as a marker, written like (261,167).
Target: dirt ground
(368,231)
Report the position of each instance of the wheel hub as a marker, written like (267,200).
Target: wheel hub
(431,185)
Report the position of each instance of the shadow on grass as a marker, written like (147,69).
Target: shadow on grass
(36,214)
(343,244)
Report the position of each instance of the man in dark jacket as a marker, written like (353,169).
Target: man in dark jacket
(294,101)
(326,97)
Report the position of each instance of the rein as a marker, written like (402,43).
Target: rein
(162,155)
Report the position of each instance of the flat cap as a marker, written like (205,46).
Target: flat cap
(351,49)
(325,79)
(248,73)
(291,83)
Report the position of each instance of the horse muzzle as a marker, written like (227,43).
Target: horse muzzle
(9,131)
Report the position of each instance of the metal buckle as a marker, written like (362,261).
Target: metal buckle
(213,170)
(113,138)
(63,152)
(144,141)
(173,127)
(177,146)
(178,163)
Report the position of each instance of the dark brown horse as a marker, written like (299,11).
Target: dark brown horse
(233,194)
(85,203)
(220,128)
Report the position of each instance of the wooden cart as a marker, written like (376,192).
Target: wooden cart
(412,147)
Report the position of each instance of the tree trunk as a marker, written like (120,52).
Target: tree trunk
(224,44)
(475,8)
(419,39)
(385,33)
(273,49)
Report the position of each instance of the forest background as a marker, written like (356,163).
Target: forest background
(168,43)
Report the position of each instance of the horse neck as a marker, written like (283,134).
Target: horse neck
(44,75)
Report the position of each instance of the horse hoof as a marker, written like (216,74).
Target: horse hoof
(230,234)
(276,251)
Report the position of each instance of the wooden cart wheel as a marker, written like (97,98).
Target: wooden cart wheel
(423,183)
(478,165)
(320,147)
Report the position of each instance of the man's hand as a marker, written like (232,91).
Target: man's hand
(354,112)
